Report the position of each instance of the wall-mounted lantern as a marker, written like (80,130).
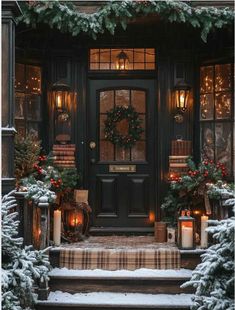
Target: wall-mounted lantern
(122,61)
(181,91)
(62,102)
(186,231)
(60,97)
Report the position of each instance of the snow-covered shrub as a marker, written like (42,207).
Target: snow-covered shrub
(214,277)
(22,267)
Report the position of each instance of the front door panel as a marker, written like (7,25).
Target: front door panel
(121,181)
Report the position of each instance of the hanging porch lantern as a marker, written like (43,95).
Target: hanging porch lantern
(186,231)
(122,61)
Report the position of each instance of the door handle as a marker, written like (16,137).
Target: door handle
(92,145)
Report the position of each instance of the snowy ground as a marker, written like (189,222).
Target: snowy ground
(121,299)
(138,273)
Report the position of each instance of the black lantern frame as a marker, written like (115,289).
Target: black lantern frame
(122,61)
(182,91)
(186,231)
(61,97)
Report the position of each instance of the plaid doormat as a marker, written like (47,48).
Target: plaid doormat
(116,259)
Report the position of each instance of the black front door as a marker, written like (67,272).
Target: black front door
(121,181)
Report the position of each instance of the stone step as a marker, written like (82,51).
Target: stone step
(113,301)
(126,281)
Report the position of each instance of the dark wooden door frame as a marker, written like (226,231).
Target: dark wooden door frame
(155,127)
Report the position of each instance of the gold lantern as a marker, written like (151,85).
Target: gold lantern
(186,231)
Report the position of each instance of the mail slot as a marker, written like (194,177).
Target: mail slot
(122,168)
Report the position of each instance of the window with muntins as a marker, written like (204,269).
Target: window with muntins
(27,99)
(122,59)
(216,113)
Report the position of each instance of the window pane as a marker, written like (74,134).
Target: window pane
(143,125)
(105,55)
(223,140)
(138,66)
(94,55)
(206,82)
(150,55)
(223,105)
(122,97)
(102,125)
(33,79)
(94,66)
(122,154)
(20,127)
(33,129)
(19,105)
(207,106)
(20,77)
(150,66)
(106,100)
(138,100)
(33,107)
(138,151)
(207,140)
(222,77)
(104,66)
(106,151)
(139,55)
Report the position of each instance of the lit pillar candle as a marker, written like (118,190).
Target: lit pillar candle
(204,234)
(187,237)
(57,227)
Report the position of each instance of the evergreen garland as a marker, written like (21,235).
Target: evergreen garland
(67,18)
(118,114)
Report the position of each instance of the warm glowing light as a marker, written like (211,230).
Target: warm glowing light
(152,217)
(196,212)
(75,221)
(59,101)
(39,232)
(182,99)
(186,224)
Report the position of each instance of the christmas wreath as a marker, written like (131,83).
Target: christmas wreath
(113,134)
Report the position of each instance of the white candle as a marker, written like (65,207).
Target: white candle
(204,234)
(57,227)
(187,237)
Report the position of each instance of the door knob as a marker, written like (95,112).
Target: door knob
(92,145)
(93,161)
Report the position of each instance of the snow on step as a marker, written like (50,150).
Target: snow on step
(119,299)
(122,274)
